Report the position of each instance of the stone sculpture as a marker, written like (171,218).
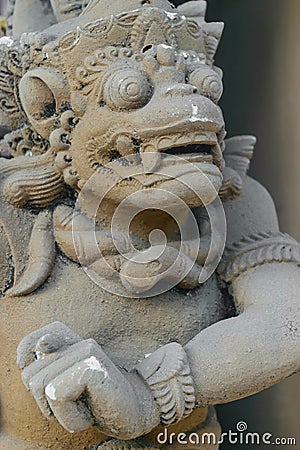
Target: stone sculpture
(121,329)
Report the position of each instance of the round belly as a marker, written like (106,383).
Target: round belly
(127,329)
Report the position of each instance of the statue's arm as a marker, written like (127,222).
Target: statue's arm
(261,346)
(243,355)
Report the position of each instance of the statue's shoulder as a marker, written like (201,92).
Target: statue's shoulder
(253,235)
(252,212)
(249,207)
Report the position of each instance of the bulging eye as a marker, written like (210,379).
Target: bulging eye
(126,89)
(208,83)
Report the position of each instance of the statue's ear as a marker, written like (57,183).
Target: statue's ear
(43,93)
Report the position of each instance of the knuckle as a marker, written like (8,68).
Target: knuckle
(90,345)
(36,385)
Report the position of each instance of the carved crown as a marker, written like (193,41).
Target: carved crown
(137,24)
(133,24)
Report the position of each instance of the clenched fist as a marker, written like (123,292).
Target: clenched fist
(75,381)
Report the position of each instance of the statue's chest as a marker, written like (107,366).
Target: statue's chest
(126,328)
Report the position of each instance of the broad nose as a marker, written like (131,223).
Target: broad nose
(180,89)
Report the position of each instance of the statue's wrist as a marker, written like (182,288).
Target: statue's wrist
(167,374)
(149,412)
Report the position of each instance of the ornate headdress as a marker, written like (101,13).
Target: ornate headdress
(134,24)
(46,78)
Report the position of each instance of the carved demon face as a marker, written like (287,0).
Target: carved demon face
(133,99)
(142,110)
(146,107)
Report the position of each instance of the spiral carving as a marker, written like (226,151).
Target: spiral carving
(207,82)
(126,88)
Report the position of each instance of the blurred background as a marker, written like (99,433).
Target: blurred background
(260,57)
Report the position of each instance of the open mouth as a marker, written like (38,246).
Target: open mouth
(193,147)
(209,153)
(171,149)
(203,151)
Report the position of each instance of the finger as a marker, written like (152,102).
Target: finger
(49,343)
(80,349)
(73,416)
(63,399)
(64,391)
(37,376)
(109,395)
(27,347)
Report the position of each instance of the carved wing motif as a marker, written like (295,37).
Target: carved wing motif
(237,155)
(239,152)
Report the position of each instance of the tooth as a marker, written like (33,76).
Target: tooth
(194,138)
(147,148)
(181,140)
(165,143)
(222,135)
(218,156)
(150,160)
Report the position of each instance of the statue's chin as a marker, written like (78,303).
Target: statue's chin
(196,187)
(175,186)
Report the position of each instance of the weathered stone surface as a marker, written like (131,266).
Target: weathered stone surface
(128,305)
